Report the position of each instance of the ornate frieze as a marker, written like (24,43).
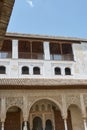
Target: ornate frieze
(14,101)
(85,99)
(57,100)
(73,100)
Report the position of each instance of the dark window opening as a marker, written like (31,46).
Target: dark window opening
(36,70)
(30,50)
(59,51)
(37,123)
(48,125)
(25,70)
(67,71)
(6,49)
(24,49)
(66,49)
(2,70)
(57,71)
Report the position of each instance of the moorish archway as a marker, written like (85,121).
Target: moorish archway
(76,117)
(13,118)
(45,115)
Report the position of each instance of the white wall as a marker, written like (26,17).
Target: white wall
(78,66)
(80,56)
(76,118)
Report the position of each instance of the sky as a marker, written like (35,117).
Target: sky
(50,17)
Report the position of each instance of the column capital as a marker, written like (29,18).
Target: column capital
(84,116)
(64,115)
(25,118)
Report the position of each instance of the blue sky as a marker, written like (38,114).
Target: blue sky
(50,17)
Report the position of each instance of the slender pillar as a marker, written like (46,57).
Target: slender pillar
(2,126)
(25,126)
(85,125)
(14,49)
(46,51)
(65,124)
(43,121)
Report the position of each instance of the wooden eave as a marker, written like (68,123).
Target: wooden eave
(42,38)
(26,87)
(6,7)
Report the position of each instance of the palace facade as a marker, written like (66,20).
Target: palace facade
(43,81)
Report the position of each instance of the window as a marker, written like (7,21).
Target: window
(67,71)
(6,49)
(30,50)
(49,125)
(25,70)
(36,70)
(57,71)
(36,108)
(55,51)
(2,70)
(37,123)
(61,51)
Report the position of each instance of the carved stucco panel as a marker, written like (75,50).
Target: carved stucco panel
(14,101)
(85,99)
(0,106)
(73,100)
(55,99)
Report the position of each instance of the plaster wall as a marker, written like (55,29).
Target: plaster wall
(80,59)
(77,122)
(47,67)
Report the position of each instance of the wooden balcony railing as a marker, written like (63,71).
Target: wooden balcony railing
(5,55)
(26,55)
(64,57)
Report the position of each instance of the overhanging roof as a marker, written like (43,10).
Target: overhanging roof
(43,83)
(6,7)
(44,37)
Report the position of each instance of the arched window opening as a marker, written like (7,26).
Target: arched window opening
(2,70)
(37,108)
(48,125)
(57,71)
(36,70)
(67,71)
(43,107)
(13,118)
(49,107)
(25,70)
(37,123)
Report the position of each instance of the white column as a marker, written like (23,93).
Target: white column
(2,126)
(65,124)
(46,51)
(25,125)
(43,121)
(85,124)
(15,49)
